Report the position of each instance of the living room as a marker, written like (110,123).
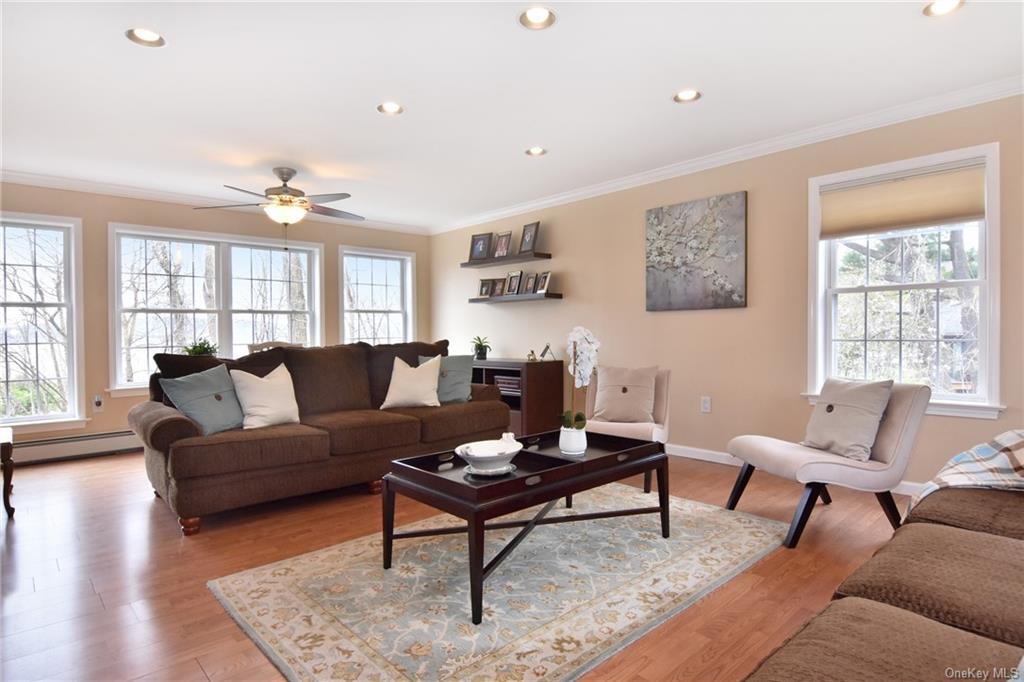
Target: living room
(284,338)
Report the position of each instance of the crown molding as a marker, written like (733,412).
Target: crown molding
(958,99)
(111,189)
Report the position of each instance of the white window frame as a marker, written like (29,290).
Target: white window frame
(223,311)
(820,262)
(75,416)
(408,275)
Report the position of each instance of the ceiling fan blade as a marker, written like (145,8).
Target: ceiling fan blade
(239,189)
(328,198)
(200,208)
(335,213)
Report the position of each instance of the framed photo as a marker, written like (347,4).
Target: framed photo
(480,246)
(498,288)
(512,283)
(531,283)
(529,239)
(486,286)
(543,282)
(504,243)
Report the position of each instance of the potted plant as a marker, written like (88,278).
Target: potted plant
(582,352)
(480,346)
(200,347)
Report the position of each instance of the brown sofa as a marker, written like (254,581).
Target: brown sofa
(343,437)
(938,601)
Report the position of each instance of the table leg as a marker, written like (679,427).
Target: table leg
(663,497)
(568,501)
(476,568)
(8,466)
(388,504)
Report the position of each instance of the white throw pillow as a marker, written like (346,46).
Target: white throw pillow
(413,386)
(266,401)
(625,395)
(846,418)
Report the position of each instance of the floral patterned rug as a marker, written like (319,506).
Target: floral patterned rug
(567,598)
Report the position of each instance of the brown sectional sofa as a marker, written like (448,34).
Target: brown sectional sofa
(942,598)
(343,437)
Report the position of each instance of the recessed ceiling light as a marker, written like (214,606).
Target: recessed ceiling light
(145,37)
(688,95)
(537,18)
(937,8)
(536,151)
(390,108)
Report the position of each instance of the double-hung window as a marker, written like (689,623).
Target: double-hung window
(905,263)
(38,370)
(174,288)
(377,296)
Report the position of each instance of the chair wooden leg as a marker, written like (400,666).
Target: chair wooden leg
(889,507)
(803,512)
(825,497)
(740,485)
(647,481)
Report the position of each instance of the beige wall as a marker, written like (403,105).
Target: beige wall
(96,211)
(751,361)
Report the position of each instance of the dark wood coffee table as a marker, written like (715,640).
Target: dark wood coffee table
(543,476)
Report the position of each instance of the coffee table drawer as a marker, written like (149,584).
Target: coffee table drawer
(621,458)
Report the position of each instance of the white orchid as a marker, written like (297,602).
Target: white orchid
(583,361)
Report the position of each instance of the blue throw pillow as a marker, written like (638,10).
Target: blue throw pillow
(207,398)
(454,379)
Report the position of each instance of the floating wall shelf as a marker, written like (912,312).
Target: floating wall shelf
(518,258)
(515,297)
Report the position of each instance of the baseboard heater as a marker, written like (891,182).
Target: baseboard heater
(74,447)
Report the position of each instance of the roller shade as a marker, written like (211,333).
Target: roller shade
(906,202)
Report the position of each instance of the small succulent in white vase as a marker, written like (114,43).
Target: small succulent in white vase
(582,353)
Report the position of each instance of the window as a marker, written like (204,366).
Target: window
(907,306)
(904,278)
(377,299)
(38,376)
(174,288)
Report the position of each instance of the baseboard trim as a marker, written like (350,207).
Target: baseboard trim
(909,488)
(75,447)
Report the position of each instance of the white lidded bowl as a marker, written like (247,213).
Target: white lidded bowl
(488,455)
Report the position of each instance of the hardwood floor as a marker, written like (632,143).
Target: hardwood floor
(98,582)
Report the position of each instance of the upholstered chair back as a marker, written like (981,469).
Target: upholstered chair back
(900,423)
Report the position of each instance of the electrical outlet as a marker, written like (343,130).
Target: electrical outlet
(97,402)
(705,404)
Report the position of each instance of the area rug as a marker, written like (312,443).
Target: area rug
(568,597)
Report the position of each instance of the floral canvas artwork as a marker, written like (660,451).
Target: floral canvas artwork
(697,254)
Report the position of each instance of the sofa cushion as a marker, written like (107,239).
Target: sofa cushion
(456,419)
(1000,512)
(329,379)
(955,576)
(866,640)
(381,362)
(208,398)
(354,431)
(172,366)
(239,450)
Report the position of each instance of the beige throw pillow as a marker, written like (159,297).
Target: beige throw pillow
(413,386)
(625,395)
(268,400)
(845,420)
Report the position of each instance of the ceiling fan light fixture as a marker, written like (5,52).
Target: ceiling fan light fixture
(537,18)
(145,37)
(285,212)
(390,108)
(687,95)
(938,8)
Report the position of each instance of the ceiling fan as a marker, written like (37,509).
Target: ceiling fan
(288,205)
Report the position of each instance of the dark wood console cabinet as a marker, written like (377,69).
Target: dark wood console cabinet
(532,389)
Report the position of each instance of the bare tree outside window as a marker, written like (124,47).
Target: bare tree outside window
(906,306)
(269,296)
(375,297)
(35,372)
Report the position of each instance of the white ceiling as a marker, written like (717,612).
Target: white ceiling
(240,88)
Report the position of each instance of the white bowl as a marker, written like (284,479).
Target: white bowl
(484,455)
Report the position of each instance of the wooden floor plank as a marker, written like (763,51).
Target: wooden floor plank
(98,582)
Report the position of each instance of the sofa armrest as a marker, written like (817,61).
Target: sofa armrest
(158,426)
(484,392)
